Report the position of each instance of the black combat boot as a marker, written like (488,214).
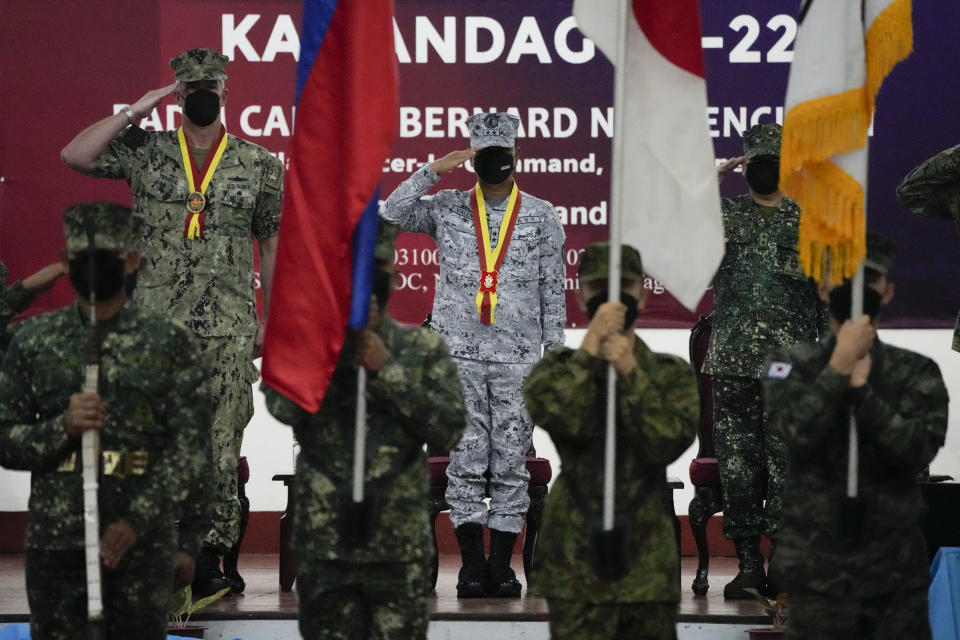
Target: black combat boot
(207,578)
(501,580)
(751,570)
(471,580)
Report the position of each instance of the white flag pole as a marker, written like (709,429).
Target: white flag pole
(360,436)
(616,205)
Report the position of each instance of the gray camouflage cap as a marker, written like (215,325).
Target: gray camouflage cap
(115,227)
(761,140)
(199,64)
(595,263)
(880,252)
(493,130)
(386,236)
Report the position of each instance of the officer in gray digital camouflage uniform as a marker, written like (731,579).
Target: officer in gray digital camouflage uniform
(152,410)
(368,576)
(199,245)
(933,190)
(860,571)
(18,296)
(762,301)
(497,313)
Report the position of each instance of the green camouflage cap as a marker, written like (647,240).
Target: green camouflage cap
(595,263)
(386,235)
(880,252)
(761,140)
(199,64)
(115,226)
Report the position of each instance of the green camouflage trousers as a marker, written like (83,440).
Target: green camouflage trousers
(354,601)
(578,620)
(895,616)
(752,459)
(233,373)
(135,595)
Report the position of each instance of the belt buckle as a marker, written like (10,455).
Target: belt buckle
(136,463)
(113,464)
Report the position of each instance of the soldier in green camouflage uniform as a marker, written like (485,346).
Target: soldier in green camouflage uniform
(19,295)
(762,301)
(850,577)
(152,409)
(933,190)
(351,588)
(206,283)
(657,415)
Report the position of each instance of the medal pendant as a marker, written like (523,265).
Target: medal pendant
(196,202)
(488,282)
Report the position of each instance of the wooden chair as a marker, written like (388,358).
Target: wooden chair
(704,470)
(540,475)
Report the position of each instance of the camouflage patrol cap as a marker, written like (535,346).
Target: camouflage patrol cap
(199,64)
(880,252)
(595,263)
(386,236)
(115,227)
(493,130)
(761,140)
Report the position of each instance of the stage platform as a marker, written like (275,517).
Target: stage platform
(263,612)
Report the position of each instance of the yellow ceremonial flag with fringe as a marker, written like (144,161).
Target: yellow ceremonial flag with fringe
(844,50)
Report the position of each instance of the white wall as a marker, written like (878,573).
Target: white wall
(269,444)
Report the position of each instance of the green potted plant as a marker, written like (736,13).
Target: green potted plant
(777,609)
(182,607)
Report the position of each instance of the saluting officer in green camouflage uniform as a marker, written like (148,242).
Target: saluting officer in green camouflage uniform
(200,269)
(762,301)
(152,409)
(19,295)
(657,408)
(855,577)
(933,190)
(370,579)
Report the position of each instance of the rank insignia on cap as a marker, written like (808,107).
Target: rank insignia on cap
(779,370)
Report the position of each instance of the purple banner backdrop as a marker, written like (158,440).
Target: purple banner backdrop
(455,58)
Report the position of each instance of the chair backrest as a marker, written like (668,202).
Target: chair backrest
(699,343)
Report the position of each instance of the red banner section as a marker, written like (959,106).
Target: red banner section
(456,58)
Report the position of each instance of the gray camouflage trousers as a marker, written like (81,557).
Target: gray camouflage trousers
(232,374)
(496,439)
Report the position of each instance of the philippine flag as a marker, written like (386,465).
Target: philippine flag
(669,194)
(345,126)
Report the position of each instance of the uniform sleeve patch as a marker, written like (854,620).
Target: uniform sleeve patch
(779,370)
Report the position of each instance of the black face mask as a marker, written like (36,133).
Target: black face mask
(108,274)
(840,300)
(493,164)
(763,175)
(628,301)
(381,288)
(202,107)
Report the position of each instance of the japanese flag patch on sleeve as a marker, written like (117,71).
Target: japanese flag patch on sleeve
(779,370)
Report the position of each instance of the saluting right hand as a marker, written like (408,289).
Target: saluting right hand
(726,168)
(86,411)
(854,340)
(150,99)
(452,160)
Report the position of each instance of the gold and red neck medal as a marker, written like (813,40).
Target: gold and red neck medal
(198,180)
(491,259)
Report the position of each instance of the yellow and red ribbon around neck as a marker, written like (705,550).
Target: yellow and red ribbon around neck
(491,258)
(198,180)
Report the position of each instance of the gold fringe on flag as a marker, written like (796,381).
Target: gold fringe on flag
(889,41)
(839,234)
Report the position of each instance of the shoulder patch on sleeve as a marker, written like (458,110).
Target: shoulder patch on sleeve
(778,370)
